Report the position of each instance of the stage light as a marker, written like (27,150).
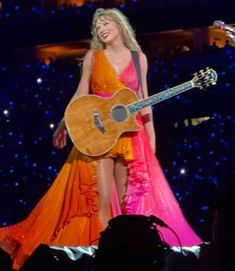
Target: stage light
(6,112)
(51,125)
(39,80)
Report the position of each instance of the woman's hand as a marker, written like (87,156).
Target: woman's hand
(60,136)
(147,119)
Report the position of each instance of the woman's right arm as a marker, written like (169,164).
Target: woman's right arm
(60,134)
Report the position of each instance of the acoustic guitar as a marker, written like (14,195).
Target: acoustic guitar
(95,124)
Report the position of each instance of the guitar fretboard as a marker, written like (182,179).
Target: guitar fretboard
(161,96)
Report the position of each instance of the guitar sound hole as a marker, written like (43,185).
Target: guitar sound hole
(119,113)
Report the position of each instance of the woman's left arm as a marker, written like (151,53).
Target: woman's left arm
(146,113)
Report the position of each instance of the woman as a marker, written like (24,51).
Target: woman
(126,180)
(108,49)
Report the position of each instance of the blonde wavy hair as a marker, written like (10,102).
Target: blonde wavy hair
(126,30)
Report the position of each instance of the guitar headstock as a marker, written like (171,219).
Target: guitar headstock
(205,78)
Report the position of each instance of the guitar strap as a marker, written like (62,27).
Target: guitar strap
(135,57)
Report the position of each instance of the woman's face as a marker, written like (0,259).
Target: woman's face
(107,29)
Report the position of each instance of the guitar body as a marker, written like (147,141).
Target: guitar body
(95,123)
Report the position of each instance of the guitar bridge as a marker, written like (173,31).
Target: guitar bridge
(98,122)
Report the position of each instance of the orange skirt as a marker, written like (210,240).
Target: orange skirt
(67,214)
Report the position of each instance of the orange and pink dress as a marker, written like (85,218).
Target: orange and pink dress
(67,215)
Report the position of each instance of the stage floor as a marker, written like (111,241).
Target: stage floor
(65,258)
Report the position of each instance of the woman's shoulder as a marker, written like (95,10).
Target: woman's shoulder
(142,55)
(143,58)
(90,54)
(91,57)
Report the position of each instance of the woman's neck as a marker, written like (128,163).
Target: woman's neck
(116,47)
(116,50)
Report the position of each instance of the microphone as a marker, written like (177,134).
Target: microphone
(222,25)
(158,221)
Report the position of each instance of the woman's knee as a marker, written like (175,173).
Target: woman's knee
(105,198)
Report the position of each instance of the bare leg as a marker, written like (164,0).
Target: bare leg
(120,174)
(105,169)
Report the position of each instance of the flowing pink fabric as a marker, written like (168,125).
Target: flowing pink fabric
(68,213)
(148,192)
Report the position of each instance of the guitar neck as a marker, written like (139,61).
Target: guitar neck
(161,96)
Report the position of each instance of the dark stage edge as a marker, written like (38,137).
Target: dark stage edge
(66,258)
